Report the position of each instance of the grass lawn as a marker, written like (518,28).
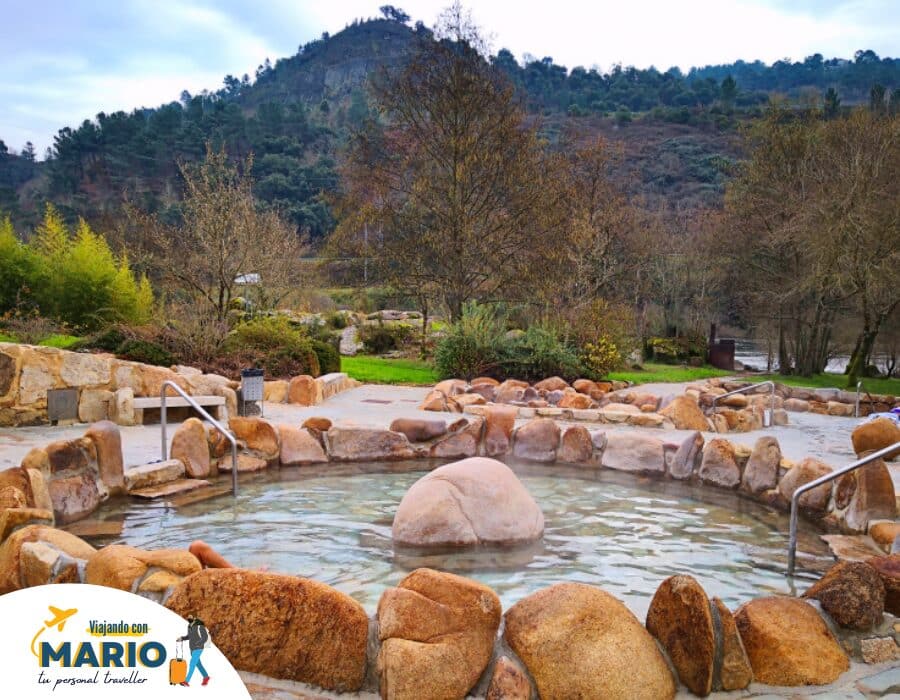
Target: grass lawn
(820,381)
(57,340)
(381,370)
(653,373)
(60,340)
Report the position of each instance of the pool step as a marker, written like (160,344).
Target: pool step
(170,488)
(153,474)
(95,528)
(199,495)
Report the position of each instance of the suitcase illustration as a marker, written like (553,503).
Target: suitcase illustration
(177,666)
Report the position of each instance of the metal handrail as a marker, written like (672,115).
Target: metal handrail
(831,476)
(858,389)
(197,407)
(747,389)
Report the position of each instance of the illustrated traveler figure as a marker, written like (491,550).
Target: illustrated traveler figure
(197,637)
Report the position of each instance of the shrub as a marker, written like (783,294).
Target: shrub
(194,334)
(475,345)
(336,320)
(265,333)
(109,340)
(380,338)
(539,353)
(674,350)
(270,343)
(290,362)
(615,322)
(145,351)
(328,356)
(600,357)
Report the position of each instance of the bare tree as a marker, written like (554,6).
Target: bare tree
(455,181)
(855,220)
(817,213)
(224,242)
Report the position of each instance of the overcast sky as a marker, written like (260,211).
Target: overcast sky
(63,61)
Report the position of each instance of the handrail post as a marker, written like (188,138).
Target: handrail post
(858,389)
(826,478)
(772,408)
(162,424)
(202,411)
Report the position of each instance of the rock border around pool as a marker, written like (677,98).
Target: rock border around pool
(438,632)
(67,480)
(614,402)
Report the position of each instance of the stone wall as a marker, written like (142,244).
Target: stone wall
(107,386)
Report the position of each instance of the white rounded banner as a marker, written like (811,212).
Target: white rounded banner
(83,641)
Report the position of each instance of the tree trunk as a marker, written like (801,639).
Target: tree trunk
(784,359)
(853,354)
(857,367)
(424,326)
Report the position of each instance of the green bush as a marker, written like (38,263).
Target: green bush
(328,356)
(266,333)
(290,362)
(473,346)
(76,278)
(109,340)
(145,351)
(17,268)
(479,344)
(539,353)
(600,357)
(271,343)
(380,338)
(674,350)
(336,320)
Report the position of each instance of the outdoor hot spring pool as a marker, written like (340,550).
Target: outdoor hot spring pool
(621,532)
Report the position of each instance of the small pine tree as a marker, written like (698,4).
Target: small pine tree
(16,268)
(79,281)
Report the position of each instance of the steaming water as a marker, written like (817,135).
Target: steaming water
(613,530)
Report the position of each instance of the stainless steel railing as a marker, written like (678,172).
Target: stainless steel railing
(197,407)
(747,389)
(795,499)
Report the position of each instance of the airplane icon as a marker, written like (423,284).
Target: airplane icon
(60,617)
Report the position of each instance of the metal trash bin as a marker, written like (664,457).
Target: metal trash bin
(252,388)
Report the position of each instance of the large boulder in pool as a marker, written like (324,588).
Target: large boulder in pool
(437,633)
(473,501)
(281,626)
(788,643)
(578,641)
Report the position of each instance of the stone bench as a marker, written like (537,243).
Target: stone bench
(142,404)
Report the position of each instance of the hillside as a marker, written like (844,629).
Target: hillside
(679,131)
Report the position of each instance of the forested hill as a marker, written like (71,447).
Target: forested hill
(678,130)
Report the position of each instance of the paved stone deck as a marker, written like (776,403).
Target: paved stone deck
(809,434)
